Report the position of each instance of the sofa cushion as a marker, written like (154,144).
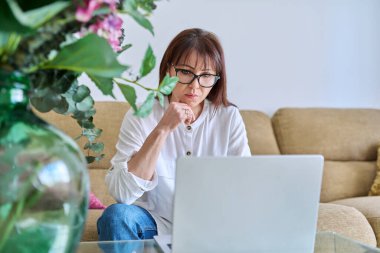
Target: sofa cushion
(370,207)
(90,232)
(337,134)
(98,186)
(346,179)
(261,138)
(375,188)
(346,221)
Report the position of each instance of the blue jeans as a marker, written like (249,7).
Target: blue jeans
(126,222)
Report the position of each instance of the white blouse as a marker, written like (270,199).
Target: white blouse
(216,132)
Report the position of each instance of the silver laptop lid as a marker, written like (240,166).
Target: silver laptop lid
(247,204)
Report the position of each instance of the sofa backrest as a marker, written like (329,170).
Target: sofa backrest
(347,138)
(261,138)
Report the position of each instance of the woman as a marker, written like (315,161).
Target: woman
(197,120)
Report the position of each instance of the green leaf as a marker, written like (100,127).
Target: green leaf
(161,98)
(4,38)
(90,113)
(129,93)
(167,85)
(100,157)
(36,17)
(90,54)
(62,84)
(27,5)
(62,107)
(78,115)
(101,11)
(92,134)
(104,84)
(86,124)
(97,131)
(87,145)
(86,104)
(125,47)
(90,159)
(148,63)
(9,43)
(147,5)
(141,20)
(69,97)
(82,92)
(130,7)
(9,22)
(46,103)
(146,108)
(97,147)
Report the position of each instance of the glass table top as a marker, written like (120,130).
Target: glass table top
(326,242)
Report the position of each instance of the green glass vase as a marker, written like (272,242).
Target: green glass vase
(44,185)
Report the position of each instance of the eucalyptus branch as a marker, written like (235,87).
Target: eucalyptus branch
(134,82)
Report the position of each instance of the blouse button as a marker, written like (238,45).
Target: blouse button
(188,153)
(189,128)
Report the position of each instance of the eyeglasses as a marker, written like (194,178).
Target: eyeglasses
(186,77)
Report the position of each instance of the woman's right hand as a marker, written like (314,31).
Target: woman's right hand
(143,163)
(175,114)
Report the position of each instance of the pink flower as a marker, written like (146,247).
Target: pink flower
(84,13)
(107,26)
(110,29)
(112,4)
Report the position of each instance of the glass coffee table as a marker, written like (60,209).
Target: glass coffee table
(326,242)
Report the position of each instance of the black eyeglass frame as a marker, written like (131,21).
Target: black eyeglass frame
(217,77)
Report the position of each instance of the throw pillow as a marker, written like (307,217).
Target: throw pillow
(95,203)
(375,188)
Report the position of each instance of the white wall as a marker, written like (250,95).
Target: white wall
(280,53)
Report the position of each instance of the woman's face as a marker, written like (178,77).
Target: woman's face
(192,94)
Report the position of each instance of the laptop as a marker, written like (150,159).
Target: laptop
(245,204)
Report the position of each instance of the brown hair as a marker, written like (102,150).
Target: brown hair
(207,46)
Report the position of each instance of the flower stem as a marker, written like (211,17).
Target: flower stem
(14,215)
(134,82)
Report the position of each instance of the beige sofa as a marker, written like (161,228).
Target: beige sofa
(347,138)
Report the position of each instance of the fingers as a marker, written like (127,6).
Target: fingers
(189,116)
(175,100)
(184,112)
(175,114)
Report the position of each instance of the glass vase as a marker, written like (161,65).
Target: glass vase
(44,184)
